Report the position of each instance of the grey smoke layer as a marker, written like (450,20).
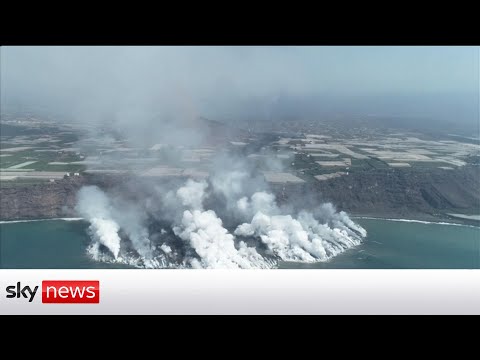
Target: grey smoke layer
(130,86)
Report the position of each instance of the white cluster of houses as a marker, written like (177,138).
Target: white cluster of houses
(66,174)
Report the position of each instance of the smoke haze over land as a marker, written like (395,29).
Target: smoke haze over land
(161,87)
(158,98)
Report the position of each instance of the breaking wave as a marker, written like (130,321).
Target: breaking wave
(34,220)
(416,221)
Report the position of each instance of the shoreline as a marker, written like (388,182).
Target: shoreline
(413,221)
(352,216)
(417,217)
(35,220)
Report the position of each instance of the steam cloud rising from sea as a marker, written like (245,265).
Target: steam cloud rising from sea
(217,223)
(156,97)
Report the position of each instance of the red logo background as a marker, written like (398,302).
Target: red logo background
(70,292)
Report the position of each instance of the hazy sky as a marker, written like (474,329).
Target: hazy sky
(93,81)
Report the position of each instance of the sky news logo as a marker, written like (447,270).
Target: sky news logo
(58,292)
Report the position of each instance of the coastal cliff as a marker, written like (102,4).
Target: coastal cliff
(40,201)
(395,193)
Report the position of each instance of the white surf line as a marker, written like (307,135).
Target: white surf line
(413,221)
(34,220)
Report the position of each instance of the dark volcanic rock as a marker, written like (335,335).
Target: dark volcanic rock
(407,193)
(394,192)
(40,201)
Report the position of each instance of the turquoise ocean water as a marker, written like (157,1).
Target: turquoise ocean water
(389,244)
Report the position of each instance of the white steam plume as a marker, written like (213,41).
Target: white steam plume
(260,201)
(132,221)
(204,232)
(264,233)
(192,194)
(94,206)
(104,217)
(213,243)
(302,239)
